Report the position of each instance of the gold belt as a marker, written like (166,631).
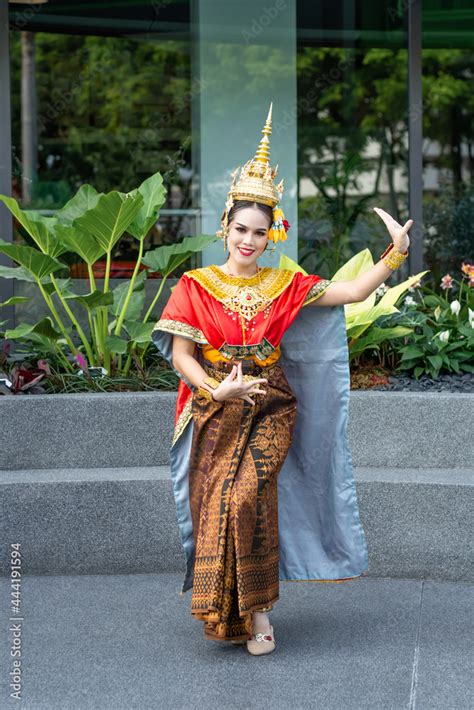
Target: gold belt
(251,370)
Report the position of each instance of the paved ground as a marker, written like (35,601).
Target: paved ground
(125,642)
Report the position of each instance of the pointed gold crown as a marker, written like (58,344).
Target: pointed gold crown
(256,183)
(257,176)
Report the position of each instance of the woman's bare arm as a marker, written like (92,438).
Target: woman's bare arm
(358,289)
(185,362)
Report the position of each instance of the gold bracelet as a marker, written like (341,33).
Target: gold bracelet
(393,258)
(206,394)
(213,384)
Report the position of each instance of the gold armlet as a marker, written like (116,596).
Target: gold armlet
(393,258)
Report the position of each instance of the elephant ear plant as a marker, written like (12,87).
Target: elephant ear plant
(91,224)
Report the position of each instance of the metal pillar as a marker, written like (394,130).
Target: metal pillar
(415,136)
(6,285)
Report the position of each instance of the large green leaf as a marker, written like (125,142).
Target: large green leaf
(85,199)
(359,314)
(139,332)
(91,300)
(116,345)
(360,263)
(378,335)
(357,264)
(43,327)
(436,361)
(64,285)
(35,261)
(166,259)
(39,227)
(108,219)
(14,300)
(391,296)
(154,194)
(16,272)
(80,242)
(287,263)
(137,299)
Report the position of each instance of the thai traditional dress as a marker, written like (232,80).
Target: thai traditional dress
(263,492)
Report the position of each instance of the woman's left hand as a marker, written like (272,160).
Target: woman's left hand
(398,233)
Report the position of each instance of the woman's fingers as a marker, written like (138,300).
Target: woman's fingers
(231,374)
(390,223)
(242,388)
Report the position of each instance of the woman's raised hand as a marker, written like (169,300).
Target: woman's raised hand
(231,387)
(398,233)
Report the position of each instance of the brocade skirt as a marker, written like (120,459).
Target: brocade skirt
(237,452)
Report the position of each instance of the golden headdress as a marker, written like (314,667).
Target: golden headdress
(256,183)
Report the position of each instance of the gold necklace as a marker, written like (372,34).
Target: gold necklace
(247,301)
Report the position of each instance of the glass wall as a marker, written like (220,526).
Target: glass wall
(105,100)
(101,93)
(110,91)
(448,135)
(352,128)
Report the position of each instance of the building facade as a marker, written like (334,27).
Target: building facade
(372,106)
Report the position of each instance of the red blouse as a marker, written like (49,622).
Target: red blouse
(238,317)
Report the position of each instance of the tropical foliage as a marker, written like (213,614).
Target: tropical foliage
(90,225)
(426,335)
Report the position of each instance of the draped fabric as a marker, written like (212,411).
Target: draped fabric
(222,452)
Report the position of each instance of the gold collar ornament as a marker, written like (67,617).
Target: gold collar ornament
(243,297)
(256,183)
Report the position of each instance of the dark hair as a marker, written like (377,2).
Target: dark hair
(242,204)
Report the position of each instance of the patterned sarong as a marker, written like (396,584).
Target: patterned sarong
(237,452)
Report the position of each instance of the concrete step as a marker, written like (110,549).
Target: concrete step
(123,520)
(385,429)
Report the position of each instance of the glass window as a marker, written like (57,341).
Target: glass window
(448,130)
(106,101)
(352,128)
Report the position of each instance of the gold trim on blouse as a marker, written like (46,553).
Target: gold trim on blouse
(316,291)
(176,327)
(240,295)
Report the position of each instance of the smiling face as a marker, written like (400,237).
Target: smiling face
(248,236)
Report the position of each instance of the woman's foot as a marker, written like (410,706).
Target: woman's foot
(263,640)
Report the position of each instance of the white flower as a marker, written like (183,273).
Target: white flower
(380,290)
(444,336)
(409,301)
(455,307)
(471,316)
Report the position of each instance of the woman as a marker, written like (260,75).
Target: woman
(223,329)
